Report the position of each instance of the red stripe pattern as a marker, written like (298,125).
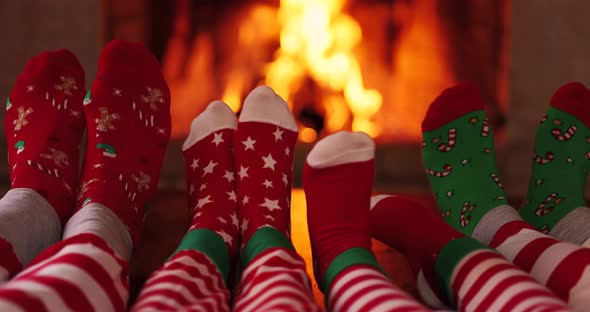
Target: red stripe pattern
(563,267)
(486,281)
(189,280)
(275,280)
(81,274)
(9,263)
(364,288)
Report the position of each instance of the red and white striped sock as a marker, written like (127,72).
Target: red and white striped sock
(337,180)
(189,280)
(197,272)
(474,278)
(563,267)
(275,280)
(81,273)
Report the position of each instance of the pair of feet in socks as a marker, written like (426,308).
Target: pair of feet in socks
(126,115)
(239,178)
(458,154)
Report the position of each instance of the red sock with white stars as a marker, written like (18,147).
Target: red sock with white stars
(128,115)
(205,253)
(263,154)
(44,127)
(263,151)
(338,180)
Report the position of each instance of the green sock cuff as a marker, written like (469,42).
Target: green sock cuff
(350,257)
(209,243)
(263,239)
(448,259)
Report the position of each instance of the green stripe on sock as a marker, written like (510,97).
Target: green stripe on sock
(209,243)
(448,259)
(263,239)
(350,257)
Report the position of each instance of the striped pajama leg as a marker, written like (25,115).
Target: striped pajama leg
(486,281)
(81,273)
(364,288)
(275,280)
(188,280)
(563,267)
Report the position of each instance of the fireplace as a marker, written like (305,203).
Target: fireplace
(360,65)
(371,66)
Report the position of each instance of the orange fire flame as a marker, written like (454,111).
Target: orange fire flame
(340,50)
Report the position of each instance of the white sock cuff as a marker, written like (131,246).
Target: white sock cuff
(28,222)
(215,117)
(264,105)
(573,227)
(377,199)
(97,219)
(341,148)
(492,221)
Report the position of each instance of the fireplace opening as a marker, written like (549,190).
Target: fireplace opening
(371,66)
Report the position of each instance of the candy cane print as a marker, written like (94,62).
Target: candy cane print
(543,160)
(485,130)
(451,141)
(587,155)
(569,133)
(464,219)
(497,180)
(541,210)
(545,229)
(446,171)
(544,118)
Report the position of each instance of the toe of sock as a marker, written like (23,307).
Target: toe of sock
(124,55)
(47,69)
(451,104)
(341,148)
(215,117)
(264,105)
(573,98)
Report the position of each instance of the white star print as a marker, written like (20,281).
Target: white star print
(192,190)
(98,166)
(287,151)
(278,134)
(161,131)
(229,176)
(30,88)
(234,220)
(209,168)
(285,179)
(267,183)
(203,186)
(249,144)
(203,201)
(226,237)
(270,204)
(217,138)
(232,196)
(245,200)
(269,162)
(195,164)
(117,92)
(222,220)
(244,225)
(269,218)
(243,172)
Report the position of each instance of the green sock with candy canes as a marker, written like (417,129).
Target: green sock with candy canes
(458,155)
(555,200)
